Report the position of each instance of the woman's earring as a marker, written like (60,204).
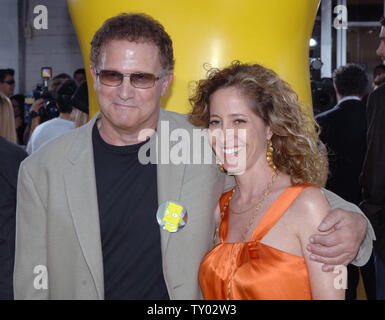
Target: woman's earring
(220,166)
(269,155)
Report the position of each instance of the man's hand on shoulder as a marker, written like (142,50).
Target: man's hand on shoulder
(340,246)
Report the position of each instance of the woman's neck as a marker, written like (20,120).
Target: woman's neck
(252,183)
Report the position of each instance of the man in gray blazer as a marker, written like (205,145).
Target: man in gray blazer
(86,216)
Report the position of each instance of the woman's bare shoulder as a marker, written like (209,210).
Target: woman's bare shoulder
(309,209)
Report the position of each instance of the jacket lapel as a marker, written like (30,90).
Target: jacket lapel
(82,199)
(170,176)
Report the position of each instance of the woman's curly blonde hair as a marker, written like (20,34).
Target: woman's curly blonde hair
(297,148)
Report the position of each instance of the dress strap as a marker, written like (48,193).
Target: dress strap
(224,207)
(277,209)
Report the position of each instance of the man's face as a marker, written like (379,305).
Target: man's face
(79,77)
(124,108)
(8,86)
(381,49)
(377,72)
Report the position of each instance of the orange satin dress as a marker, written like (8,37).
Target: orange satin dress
(253,270)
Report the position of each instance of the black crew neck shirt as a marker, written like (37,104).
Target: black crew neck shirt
(130,235)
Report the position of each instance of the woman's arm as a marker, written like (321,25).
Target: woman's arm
(312,209)
(348,226)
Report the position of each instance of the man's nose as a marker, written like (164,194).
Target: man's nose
(126,90)
(381,50)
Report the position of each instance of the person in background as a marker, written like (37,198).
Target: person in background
(378,70)
(79,76)
(36,120)
(11,156)
(18,108)
(7,81)
(373,172)
(57,126)
(80,103)
(379,80)
(7,119)
(343,131)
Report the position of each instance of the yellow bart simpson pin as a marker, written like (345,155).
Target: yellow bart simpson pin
(171,216)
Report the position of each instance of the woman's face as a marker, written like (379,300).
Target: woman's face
(238,136)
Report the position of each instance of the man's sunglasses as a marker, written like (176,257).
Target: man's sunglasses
(138,79)
(10,82)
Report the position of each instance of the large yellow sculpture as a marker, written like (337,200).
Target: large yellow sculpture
(274,33)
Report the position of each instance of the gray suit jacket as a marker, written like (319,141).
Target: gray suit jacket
(58,219)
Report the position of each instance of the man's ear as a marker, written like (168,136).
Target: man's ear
(335,89)
(94,77)
(167,82)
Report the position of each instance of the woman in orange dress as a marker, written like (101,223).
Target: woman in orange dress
(261,136)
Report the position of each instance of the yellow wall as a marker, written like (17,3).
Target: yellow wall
(274,33)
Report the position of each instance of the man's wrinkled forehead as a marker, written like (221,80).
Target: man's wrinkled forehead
(126,53)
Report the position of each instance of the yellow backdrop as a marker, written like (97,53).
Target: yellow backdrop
(274,33)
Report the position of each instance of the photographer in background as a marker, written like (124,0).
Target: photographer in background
(36,110)
(57,126)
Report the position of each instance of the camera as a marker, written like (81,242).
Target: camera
(49,110)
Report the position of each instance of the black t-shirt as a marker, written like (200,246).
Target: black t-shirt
(128,201)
